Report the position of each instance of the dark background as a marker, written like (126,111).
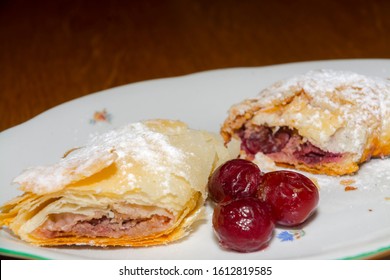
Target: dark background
(55,51)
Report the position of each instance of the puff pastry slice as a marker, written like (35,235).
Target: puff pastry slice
(324,121)
(142,184)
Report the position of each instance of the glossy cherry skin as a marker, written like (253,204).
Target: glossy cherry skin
(236,178)
(243,225)
(292,196)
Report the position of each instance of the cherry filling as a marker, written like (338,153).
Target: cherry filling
(284,145)
(262,139)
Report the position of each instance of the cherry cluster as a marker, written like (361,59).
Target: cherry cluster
(250,203)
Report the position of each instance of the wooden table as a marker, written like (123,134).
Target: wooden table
(55,51)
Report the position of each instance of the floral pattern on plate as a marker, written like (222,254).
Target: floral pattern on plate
(290,235)
(101,116)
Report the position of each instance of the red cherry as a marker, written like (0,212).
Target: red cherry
(243,225)
(292,196)
(234,179)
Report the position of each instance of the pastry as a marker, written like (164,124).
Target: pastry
(324,121)
(139,185)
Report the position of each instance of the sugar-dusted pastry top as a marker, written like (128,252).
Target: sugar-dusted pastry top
(139,185)
(336,111)
(136,141)
(146,154)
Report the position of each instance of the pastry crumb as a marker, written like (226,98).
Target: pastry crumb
(265,163)
(347,182)
(350,188)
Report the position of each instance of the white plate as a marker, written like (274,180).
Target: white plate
(354,224)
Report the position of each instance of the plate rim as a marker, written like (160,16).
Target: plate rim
(369,254)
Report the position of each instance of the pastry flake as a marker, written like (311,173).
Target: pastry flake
(139,185)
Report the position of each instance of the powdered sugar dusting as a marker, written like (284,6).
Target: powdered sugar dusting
(141,143)
(330,87)
(79,164)
(137,141)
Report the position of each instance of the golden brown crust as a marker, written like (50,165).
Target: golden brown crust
(327,168)
(179,230)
